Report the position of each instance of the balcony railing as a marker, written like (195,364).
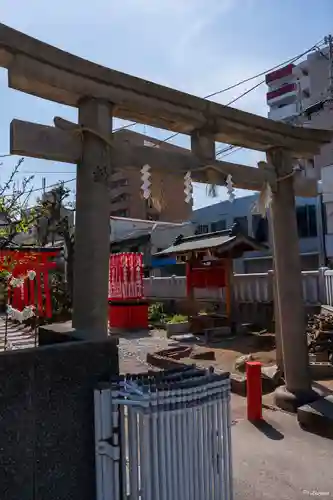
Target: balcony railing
(284,112)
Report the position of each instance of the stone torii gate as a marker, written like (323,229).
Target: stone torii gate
(99,94)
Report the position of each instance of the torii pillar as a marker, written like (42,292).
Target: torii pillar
(288,279)
(92,224)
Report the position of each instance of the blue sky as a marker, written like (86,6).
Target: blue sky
(195,46)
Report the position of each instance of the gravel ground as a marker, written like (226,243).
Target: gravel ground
(134,348)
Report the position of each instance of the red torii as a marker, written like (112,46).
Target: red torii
(35,292)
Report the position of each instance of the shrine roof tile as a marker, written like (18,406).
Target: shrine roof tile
(223,240)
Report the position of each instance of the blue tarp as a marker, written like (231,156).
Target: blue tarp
(163,261)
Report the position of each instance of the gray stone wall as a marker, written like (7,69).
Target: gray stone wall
(47,419)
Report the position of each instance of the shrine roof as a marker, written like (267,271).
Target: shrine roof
(136,236)
(221,240)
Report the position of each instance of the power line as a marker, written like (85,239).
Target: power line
(56,184)
(224,150)
(228,148)
(246,92)
(232,149)
(126,126)
(246,80)
(46,187)
(288,61)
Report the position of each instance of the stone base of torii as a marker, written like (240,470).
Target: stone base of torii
(99,94)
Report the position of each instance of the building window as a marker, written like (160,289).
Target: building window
(260,228)
(120,198)
(306,221)
(258,265)
(119,183)
(202,228)
(242,224)
(119,213)
(220,225)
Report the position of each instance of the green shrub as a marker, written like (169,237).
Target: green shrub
(178,318)
(156,313)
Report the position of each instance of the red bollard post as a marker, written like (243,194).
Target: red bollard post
(254,391)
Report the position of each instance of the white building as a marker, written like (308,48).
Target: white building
(300,94)
(162,233)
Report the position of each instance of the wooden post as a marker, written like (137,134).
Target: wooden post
(276,309)
(288,278)
(228,285)
(190,289)
(92,225)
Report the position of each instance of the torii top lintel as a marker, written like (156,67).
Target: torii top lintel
(40,69)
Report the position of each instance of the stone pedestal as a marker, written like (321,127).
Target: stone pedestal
(92,224)
(59,333)
(291,401)
(317,417)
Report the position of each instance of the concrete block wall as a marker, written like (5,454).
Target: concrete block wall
(47,449)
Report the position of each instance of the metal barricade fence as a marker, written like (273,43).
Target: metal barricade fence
(164,436)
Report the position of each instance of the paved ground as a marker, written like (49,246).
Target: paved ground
(280,461)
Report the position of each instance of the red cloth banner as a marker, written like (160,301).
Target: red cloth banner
(126,276)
